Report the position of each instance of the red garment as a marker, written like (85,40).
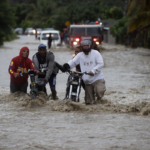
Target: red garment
(20,64)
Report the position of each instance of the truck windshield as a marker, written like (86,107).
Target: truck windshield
(93,31)
(46,35)
(78,31)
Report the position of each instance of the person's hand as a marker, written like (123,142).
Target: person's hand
(91,73)
(75,73)
(66,66)
(16,75)
(38,72)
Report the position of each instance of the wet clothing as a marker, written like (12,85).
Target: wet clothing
(97,88)
(91,62)
(20,64)
(22,88)
(42,64)
(52,80)
(94,85)
(48,63)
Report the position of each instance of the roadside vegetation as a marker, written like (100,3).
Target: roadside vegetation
(50,13)
(134,29)
(6,22)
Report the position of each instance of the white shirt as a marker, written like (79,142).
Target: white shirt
(91,62)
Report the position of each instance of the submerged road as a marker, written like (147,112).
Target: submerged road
(126,73)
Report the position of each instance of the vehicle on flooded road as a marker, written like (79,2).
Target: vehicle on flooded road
(77,33)
(55,37)
(46,29)
(18,31)
(29,31)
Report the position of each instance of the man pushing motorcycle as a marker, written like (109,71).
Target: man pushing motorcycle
(45,59)
(18,65)
(90,61)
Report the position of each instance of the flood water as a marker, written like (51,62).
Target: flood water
(122,122)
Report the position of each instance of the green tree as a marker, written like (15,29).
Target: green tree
(7,21)
(26,24)
(139,13)
(20,12)
(119,30)
(139,22)
(55,13)
(115,13)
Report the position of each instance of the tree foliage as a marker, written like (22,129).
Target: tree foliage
(139,13)
(115,13)
(119,30)
(7,21)
(50,13)
(139,22)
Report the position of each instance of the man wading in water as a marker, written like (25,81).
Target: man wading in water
(20,64)
(91,62)
(45,59)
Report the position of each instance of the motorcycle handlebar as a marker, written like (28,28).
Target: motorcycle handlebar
(28,73)
(69,71)
(79,73)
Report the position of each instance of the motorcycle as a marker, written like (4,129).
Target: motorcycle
(35,86)
(73,83)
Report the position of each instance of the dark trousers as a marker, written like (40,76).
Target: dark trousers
(14,88)
(49,45)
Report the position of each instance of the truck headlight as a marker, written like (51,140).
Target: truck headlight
(97,43)
(74,43)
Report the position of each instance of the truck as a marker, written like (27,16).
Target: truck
(81,32)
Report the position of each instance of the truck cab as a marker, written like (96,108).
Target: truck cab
(81,32)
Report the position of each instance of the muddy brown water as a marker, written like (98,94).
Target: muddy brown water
(121,121)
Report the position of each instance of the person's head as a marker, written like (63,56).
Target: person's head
(78,49)
(86,46)
(24,52)
(42,50)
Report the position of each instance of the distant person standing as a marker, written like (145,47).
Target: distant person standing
(62,37)
(50,40)
(65,37)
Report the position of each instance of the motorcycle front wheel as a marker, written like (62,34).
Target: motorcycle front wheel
(33,95)
(73,98)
